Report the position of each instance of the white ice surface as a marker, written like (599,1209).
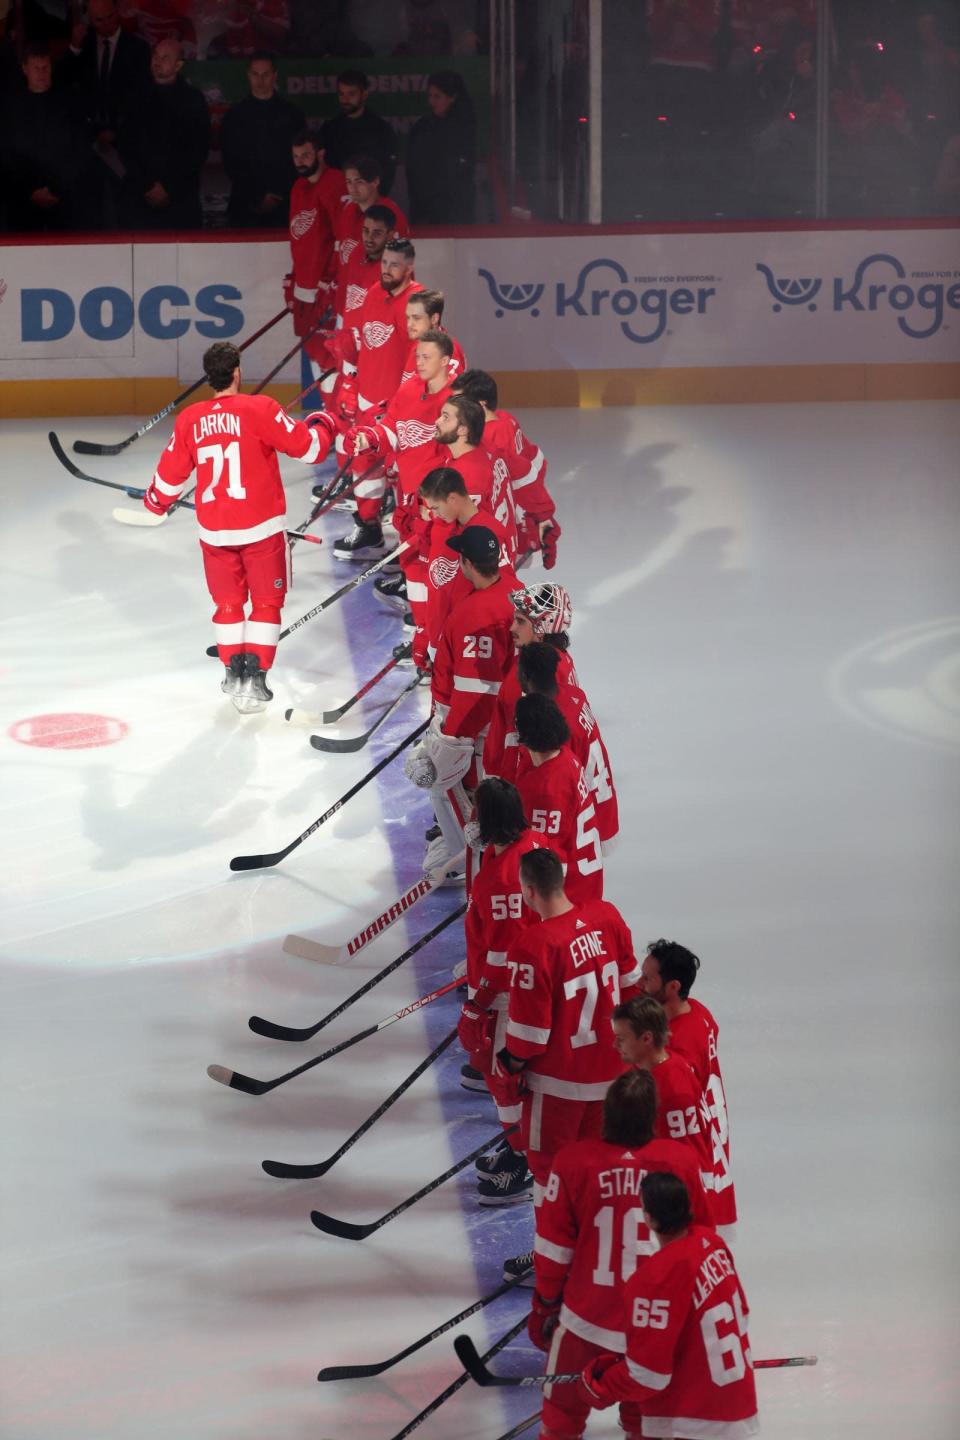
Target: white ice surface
(767,620)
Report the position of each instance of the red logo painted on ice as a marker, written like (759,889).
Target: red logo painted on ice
(69,731)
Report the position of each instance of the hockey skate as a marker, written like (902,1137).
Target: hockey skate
(392,592)
(233,675)
(499,1159)
(520,1267)
(254,693)
(471,1079)
(510,1184)
(365,542)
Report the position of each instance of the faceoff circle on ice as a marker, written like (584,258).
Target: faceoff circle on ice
(68,731)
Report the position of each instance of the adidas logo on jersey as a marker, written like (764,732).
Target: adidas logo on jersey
(411,433)
(375,334)
(301,223)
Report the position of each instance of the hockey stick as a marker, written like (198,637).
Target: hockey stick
(330,717)
(147,518)
(289,1032)
(281,1171)
(347,1230)
(330,746)
(300,531)
(459,1383)
(90,447)
(306,949)
(524,1425)
(476,1368)
(366,1372)
(337,594)
(68,464)
(247,1083)
(264,862)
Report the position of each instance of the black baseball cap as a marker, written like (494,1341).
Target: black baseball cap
(476,543)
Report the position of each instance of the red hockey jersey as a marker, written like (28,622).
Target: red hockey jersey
(679,1113)
(525,461)
(488,485)
(566,977)
(232,443)
(501,750)
(495,917)
(472,658)
(591,1234)
(586,742)
(313,210)
(446,583)
(556,801)
(688,1360)
(375,345)
(354,281)
(694,1035)
(348,225)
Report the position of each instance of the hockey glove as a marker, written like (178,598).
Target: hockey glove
(152,501)
(439,759)
(544,1319)
(474,1030)
(548,543)
(593,1387)
(288,291)
(511,1063)
(360,439)
(347,398)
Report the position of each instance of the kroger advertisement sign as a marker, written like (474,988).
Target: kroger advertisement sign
(559,303)
(727,299)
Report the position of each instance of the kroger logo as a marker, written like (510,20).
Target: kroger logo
(108,313)
(643,310)
(867,292)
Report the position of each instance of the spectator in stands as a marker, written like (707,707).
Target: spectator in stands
(248,26)
(39,158)
(868,107)
(163,145)
(106,66)
(441,155)
(158,20)
(946,182)
(873,157)
(784,145)
(255,140)
(357,130)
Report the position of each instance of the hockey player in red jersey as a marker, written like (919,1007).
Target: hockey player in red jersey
(358,275)
(375,348)
(232,442)
(444,493)
(361,174)
(591,1237)
(425,312)
(688,1370)
(472,656)
(566,977)
(667,974)
(537,524)
(315,202)
(495,916)
(537,667)
(404,436)
(460,429)
(556,798)
(541,612)
(640,1033)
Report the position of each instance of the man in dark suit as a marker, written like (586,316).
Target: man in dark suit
(163,142)
(105,65)
(255,140)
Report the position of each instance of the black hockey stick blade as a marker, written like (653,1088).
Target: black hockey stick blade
(263,862)
(272,1031)
(522,1426)
(476,1368)
(460,1381)
(330,717)
(281,1171)
(349,747)
(366,1372)
(75,470)
(251,1086)
(346,1230)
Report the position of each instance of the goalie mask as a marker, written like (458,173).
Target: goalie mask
(546,606)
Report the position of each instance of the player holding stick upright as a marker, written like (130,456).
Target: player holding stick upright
(591,1236)
(232,442)
(541,612)
(688,1371)
(556,797)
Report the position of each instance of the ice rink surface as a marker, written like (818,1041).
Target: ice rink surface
(767,621)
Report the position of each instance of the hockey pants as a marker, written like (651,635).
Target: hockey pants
(564,1415)
(548,1123)
(236,573)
